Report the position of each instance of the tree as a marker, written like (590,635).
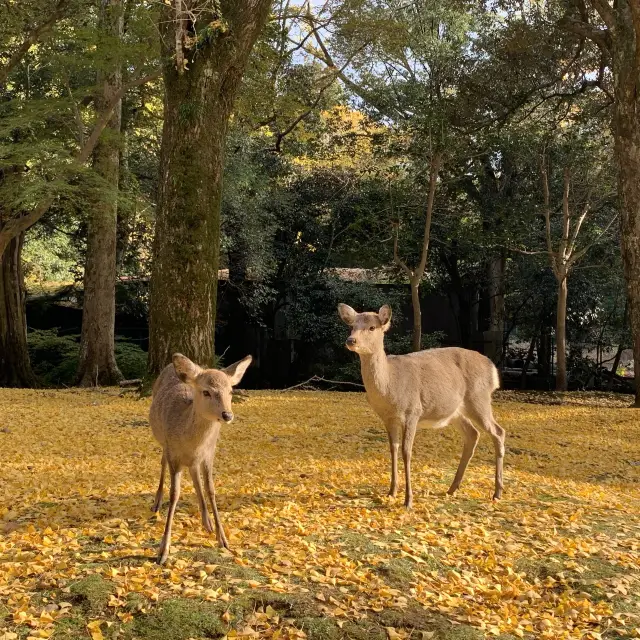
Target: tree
(416,274)
(97,363)
(565,255)
(205,48)
(614,29)
(45,148)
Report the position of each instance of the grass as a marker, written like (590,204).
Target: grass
(319,550)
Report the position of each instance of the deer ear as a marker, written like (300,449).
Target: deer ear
(236,370)
(384,313)
(186,370)
(347,314)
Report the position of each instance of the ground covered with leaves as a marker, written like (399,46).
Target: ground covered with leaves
(319,550)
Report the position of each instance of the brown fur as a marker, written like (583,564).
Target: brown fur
(434,387)
(188,406)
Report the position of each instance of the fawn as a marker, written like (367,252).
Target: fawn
(188,405)
(433,387)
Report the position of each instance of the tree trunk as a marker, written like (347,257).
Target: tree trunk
(15,368)
(527,362)
(417,316)
(561,337)
(620,349)
(199,96)
(627,147)
(97,365)
(495,289)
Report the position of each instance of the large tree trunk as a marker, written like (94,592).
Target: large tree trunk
(97,364)
(199,96)
(627,146)
(561,336)
(15,368)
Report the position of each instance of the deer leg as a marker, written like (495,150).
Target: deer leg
(174,495)
(157,503)
(407,448)
(498,436)
(197,483)
(394,431)
(483,417)
(471,436)
(208,474)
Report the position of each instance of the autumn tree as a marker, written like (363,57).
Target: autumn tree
(97,364)
(565,252)
(205,47)
(48,136)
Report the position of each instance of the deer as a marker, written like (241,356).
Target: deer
(189,404)
(434,387)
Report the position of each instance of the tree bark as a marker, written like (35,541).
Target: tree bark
(202,73)
(561,336)
(15,367)
(627,147)
(97,365)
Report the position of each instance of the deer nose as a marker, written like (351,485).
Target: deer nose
(227,416)
(351,341)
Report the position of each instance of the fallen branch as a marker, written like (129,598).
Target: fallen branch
(320,379)
(131,383)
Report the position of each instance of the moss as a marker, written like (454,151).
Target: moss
(179,620)
(67,628)
(92,593)
(397,572)
(355,546)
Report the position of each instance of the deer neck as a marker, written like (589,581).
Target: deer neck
(375,372)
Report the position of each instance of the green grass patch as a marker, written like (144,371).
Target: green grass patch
(92,594)
(398,572)
(178,620)
(355,545)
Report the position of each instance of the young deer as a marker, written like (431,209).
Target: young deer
(433,387)
(187,407)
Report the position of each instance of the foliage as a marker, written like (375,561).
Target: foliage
(320,551)
(55,357)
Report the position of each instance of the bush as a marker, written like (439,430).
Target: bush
(131,359)
(54,358)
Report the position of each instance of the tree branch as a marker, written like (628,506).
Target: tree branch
(17,224)
(601,37)
(59,11)
(604,10)
(396,256)
(281,135)
(583,251)
(434,170)
(547,215)
(76,114)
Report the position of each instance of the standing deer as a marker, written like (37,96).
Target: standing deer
(188,405)
(433,387)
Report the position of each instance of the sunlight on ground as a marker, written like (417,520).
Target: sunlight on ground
(321,551)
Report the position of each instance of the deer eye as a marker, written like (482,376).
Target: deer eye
(372,328)
(206,394)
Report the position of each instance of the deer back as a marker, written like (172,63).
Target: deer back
(435,383)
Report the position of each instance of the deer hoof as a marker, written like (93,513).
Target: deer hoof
(208,525)
(222,540)
(163,554)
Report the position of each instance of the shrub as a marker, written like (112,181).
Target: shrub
(54,358)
